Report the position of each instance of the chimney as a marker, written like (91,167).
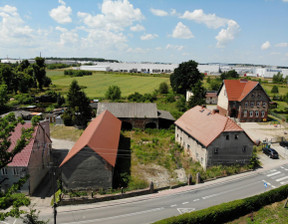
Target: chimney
(215,111)
(203,106)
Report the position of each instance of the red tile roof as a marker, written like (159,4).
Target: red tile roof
(237,90)
(204,126)
(22,158)
(102,136)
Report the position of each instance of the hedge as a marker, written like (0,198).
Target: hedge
(231,210)
(77,73)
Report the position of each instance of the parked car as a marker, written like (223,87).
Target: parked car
(272,153)
(284,144)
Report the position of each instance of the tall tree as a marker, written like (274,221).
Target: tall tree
(113,93)
(3,95)
(78,105)
(232,74)
(39,71)
(198,97)
(185,77)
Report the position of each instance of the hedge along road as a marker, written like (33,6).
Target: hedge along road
(150,208)
(98,83)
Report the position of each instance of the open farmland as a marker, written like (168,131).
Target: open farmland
(97,84)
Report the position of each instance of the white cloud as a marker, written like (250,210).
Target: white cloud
(285,0)
(61,14)
(175,47)
(265,45)
(182,32)
(214,22)
(282,44)
(210,20)
(149,36)
(228,34)
(67,37)
(115,15)
(13,30)
(158,12)
(137,28)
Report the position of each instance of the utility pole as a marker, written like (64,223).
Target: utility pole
(53,189)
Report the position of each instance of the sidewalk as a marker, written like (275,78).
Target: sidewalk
(48,210)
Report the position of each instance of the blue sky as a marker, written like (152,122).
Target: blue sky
(225,31)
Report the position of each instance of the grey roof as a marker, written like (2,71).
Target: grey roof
(165,115)
(129,110)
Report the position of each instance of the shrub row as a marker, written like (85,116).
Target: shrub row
(229,211)
(77,73)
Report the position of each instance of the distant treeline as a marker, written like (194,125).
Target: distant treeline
(59,65)
(77,73)
(84,59)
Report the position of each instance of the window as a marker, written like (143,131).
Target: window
(262,113)
(252,103)
(252,95)
(201,159)
(256,113)
(246,104)
(216,150)
(245,113)
(244,148)
(236,136)
(258,103)
(4,171)
(227,137)
(251,113)
(15,171)
(177,136)
(264,104)
(188,146)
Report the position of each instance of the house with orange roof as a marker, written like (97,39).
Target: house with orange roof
(212,139)
(32,160)
(91,161)
(243,99)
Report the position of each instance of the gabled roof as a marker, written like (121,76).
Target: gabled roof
(205,126)
(22,158)
(237,90)
(102,136)
(129,110)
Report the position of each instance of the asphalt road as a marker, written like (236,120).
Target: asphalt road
(174,202)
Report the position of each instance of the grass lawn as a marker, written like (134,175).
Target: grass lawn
(97,84)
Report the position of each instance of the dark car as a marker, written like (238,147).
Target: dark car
(272,153)
(284,144)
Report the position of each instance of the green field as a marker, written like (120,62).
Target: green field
(97,84)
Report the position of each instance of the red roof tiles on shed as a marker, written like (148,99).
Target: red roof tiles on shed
(237,90)
(204,125)
(102,136)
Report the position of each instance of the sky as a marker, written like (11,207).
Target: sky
(168,31)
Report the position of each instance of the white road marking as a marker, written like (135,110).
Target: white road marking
(272,174)
(173,206)
(284,168)
(283,178)
(185,210)
(196,199)
(284,182)
(184,203)
(116,217)
(268,184)
(210,196)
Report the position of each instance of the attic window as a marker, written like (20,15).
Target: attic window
(4,171)
(244,148)
(236,136)
(227,137)
(202,110)
(216,150)
(208,113)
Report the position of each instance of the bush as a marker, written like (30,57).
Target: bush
(136,97)
(113,93)
(163,88)
(228,211)
(274,89)
(77,73)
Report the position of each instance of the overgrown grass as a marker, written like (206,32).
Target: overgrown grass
(98,83)
(274,213)
(65,132)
